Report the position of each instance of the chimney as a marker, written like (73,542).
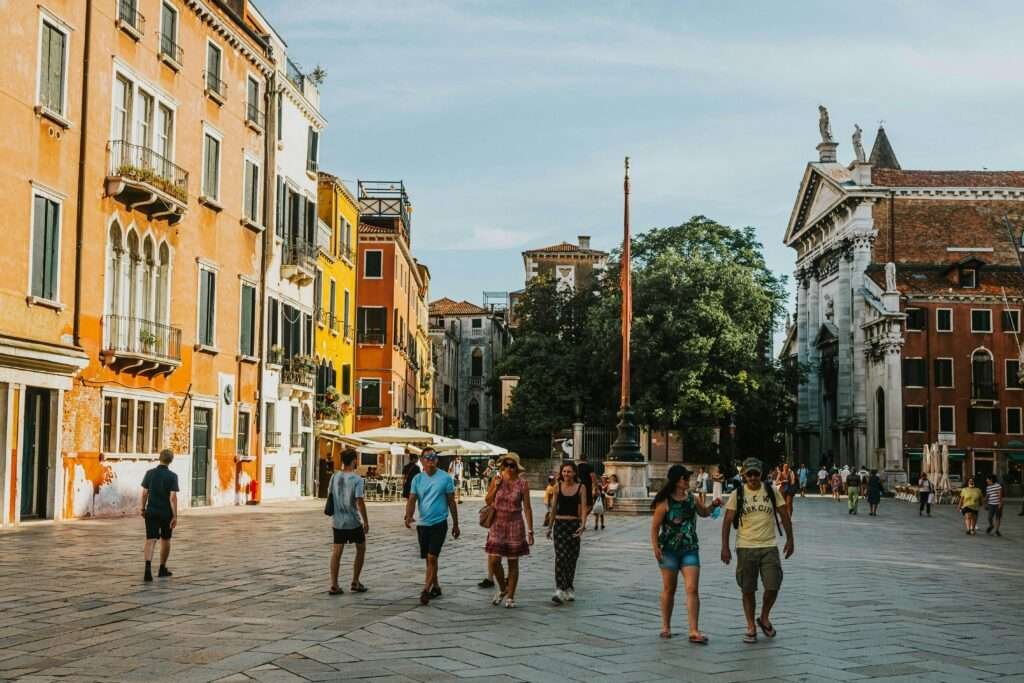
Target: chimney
(584,241)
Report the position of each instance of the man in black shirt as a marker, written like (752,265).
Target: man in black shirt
(160,510)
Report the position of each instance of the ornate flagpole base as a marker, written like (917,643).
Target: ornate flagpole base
(627,463)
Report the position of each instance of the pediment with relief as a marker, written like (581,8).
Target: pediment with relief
(819,195)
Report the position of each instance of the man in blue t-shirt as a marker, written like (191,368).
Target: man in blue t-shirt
(160,510)
(348,519)
(434,491)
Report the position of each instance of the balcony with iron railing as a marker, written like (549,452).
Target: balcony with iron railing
(146,181)
(298,262)
(295,75)
(312,165)
(296,440)
(298,377)
(256,117)
(141,346)
(272,439)
(130,19)
(242,445)
(170,52)
(375,337)
(216,89)
(326,317)
(984,393)
(382,202)
(323,238)
(476,381)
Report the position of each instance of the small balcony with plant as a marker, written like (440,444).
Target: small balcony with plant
(298,378)
(146,181)
(298,262)
(141,346)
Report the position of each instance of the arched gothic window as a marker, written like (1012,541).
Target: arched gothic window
(474,414)
(477,363)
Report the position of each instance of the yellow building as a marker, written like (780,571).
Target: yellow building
(425,418)
(335,301)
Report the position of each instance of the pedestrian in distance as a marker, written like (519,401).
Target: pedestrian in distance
(597,508)
(822,480)
(863,474)
(853,484)
(788,486)
(702,480)
(970,504)
(549,492)
(411,469)
(569,520)
(160,510)
(994,499)
(875,491)
(349,521)
(674,540)
(837,484)
(755,510)
(455,470)
(925,490)
(802,475)
(433,491)
(511,533)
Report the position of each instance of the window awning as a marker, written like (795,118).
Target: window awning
(957,454)
(1015,456)
(915,454)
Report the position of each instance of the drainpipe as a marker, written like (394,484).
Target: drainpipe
(80,201)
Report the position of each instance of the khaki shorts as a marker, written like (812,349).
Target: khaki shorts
(753,561)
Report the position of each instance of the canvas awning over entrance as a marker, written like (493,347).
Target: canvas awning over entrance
(957,454)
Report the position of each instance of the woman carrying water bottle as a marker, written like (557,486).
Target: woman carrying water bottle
(674,540)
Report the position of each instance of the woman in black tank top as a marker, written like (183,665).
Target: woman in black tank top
(570,512)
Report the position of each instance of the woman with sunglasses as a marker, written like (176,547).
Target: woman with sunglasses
(569,514)
(508,536)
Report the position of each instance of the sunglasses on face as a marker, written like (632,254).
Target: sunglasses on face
(509,465)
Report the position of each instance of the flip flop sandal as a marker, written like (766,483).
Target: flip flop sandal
(699,640)
(665,635)
(750,637)
(358,588)
(335,591)
(769,630)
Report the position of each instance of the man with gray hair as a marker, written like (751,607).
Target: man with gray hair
(160,510)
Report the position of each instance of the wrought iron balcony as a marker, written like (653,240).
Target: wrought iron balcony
(371,337)
(242,445)
(130,19)
(298,377)
(170,52)
(327,318)
(476,381)
(296,440)
(984,392)
(141,346)
(384,200)
(146,181)
(298,262)
(255,116)
(272,439)
(295,75)
(312,165)
(216,89)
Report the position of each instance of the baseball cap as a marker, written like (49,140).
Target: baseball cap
(429,455)
(753,464)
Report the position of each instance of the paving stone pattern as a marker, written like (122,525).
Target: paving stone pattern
(893,598)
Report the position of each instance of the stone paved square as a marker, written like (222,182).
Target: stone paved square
(893,598)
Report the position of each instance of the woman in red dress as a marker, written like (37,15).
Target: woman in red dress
(509,537)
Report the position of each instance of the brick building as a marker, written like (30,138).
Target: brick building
(908,313)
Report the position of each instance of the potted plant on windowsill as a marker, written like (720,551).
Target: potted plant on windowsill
(276,354)
(147,339)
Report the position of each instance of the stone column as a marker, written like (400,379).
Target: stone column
(844,358)
(803,351)
(862,241)
(893,405)
(813,360)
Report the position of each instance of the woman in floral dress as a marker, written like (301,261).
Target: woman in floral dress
(674,539)
(509,537)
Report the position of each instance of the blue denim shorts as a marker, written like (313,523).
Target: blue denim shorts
(674,560)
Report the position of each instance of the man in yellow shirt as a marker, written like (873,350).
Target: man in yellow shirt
(970,503)
(756,510)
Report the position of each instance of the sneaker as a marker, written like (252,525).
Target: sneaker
(164,571)
(486,583)
(557,598)
(570,595)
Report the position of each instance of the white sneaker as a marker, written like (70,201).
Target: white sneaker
(569,595)
(558,598)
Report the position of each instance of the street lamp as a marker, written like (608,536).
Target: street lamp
(626,447)
(732,435)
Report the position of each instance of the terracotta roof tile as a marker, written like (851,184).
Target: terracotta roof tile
(889,177)
(375,229)
(446,306)
(935,280)
(565,248)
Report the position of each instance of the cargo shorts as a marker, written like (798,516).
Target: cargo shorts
(751,562)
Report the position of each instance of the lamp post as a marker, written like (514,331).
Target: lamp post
(626,448)
(732,436)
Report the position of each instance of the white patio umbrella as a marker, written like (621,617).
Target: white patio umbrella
(446,446)
(397,435)
(926,460)
(944,464)
(491,449)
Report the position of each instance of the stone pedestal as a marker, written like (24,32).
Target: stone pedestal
(827,152)
(632,497)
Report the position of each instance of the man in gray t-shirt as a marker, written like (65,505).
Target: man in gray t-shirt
(349,520)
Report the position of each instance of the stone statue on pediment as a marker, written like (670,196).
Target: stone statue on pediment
(858,145)
(824,127)
(890,277)
(830,308)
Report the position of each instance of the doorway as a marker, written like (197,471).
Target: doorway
(35,461)
(200,455)
(984,465)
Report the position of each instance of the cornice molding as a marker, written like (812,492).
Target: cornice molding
(234,39)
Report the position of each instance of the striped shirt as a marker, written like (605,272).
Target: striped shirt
(994,494)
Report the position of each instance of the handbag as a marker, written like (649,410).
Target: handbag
(329,504)
(487,515)
(598,508)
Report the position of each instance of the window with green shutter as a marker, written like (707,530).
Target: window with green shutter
(51,68)
(45,247)
(207,306)
(211,166)
(248,322)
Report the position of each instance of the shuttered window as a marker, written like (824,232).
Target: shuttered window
(211,167)
(207,306)
(944,373)
(45,247)
(252,191)
(280,210)
(346,379)
(51,68)
(247,335)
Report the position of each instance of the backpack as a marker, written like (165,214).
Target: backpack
(771,497)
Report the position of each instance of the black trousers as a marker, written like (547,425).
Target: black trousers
(924,498)
(567,552)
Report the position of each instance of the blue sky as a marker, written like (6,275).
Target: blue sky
(508,121)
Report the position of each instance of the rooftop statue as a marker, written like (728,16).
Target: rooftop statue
(824,127)
(858,146)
